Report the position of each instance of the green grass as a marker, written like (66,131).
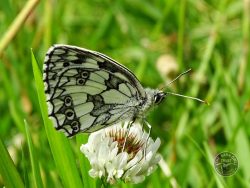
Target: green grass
(211,37)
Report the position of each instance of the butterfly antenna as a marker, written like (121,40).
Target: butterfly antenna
(180,75)
(188,97)
(184,96)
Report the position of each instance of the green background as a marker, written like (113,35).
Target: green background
(156,40)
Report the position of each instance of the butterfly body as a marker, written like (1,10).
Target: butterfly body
(87,91)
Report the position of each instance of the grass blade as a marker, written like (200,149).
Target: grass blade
(33,159)
(8,171)
(84,163)
(59,145)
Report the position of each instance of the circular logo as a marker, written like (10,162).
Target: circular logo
(226,163)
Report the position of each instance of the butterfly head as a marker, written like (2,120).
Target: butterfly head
(159,96)
(154,97)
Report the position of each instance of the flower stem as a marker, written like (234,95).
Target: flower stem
(105,184)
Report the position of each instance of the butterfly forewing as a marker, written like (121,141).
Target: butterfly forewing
(87,90)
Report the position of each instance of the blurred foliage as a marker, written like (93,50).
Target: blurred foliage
(157,40)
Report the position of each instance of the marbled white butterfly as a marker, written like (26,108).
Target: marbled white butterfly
(87,91)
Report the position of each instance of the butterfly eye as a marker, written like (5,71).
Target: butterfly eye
(68,101)
(70,114)
(159,97)
(85,74)
(80,81)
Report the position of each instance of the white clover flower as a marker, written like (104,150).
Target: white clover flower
(108,161)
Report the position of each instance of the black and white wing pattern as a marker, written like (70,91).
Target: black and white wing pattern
(87,90)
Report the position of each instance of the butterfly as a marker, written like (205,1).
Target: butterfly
(87,91)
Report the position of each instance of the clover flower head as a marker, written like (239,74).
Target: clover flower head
(111,160)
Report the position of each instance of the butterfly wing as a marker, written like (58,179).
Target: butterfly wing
(87,90)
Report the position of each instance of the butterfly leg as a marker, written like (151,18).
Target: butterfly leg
(127,132)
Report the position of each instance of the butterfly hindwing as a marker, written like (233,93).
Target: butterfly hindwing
(87,90)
